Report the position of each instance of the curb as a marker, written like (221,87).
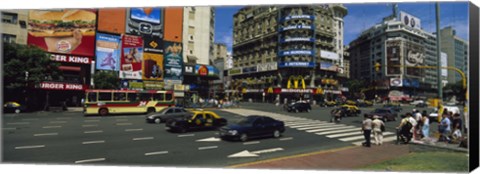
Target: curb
(456,149)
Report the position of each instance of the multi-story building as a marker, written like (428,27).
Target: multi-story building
(346,63)
(219,51)
(293,49)
(397,44)
(457,52)
(198,34)
(14,26)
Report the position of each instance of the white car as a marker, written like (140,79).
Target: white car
(417,102)
(433,116)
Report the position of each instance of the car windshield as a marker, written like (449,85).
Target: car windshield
(380,111)
(247,121)
(163,110)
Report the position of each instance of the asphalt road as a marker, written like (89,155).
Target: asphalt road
(71,138)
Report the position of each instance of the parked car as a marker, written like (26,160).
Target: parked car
(166,113)
(350,102)
(433,116)
(197,120)
(330,103)
(349,110)
(299,107)
(396,108)
(415,102)
(421,105)
(385,114)
(364,103)
(13,107)
(252,126)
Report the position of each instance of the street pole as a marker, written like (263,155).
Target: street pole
(439,70)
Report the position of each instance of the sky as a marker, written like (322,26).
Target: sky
(362,16)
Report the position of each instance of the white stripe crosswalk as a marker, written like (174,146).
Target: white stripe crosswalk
(341,132)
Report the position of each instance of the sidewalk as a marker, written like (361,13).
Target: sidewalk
(352,157)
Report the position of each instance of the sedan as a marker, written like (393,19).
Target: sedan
(253,127)
(13,107)
(299,107)
(196,120)
(166,114)
(384,114)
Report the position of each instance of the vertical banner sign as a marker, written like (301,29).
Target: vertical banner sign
(152,66)
(108,52)
(173,62)
(394,53)
(63,31)
(145,21)
(132,54)
(112,20)
(415,56)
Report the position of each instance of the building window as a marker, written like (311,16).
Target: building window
(23,24)
(191,15)
(10,18)
(191,30)
(8,38)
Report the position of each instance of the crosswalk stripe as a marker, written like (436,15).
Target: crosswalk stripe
(310,125)
(305,123)
(387,139)
(319,126)
(345,134)
(335,130)
(361,136)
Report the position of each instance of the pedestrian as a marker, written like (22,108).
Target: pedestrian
(457,127)
(378,128)
(418,120)
(367,130)
(404,129)
(445,129)
(425,127)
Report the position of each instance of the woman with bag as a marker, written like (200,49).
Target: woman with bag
(378,128)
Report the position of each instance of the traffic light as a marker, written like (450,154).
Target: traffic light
(377,67)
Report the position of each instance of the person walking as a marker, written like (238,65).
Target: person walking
(418,119)
(367,130)
(445,129)
(378,128)
(425,127)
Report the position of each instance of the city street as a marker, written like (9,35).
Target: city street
(71,138)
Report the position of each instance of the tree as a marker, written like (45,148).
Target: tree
(24,68)
(455,89)
(355,86)
(106,80)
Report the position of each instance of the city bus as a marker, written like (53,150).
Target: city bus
(105,102)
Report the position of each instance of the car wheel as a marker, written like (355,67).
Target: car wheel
(243,137)
(296,110)
(182,130)
(308,110)
(103,112)
(157,120)
(276,134)
(17,111)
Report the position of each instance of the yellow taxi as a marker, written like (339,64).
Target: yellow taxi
(351,109)
(198,119)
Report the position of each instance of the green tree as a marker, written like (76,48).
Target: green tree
(20,60)
(455,89)
(106,80)
(355,86)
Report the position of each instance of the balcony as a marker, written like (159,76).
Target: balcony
(296,17)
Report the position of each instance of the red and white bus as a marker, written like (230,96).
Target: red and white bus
(104,102)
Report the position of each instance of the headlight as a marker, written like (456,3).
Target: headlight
(233,132)
(150,117)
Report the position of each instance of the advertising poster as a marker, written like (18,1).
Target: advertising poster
(145,21)
(414,56)
(327,66)
(63,31)
(206,70)
(173,62)
(108,52)
(173,24)
(393,50)
(112,20)
(153,44)
(132,55)
(152,66)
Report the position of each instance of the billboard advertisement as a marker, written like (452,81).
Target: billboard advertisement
(173,62)
(414,56)
(206,70)
(112,20)
(296,64)
(397,82)
(63,31)
(189,70)
(108,52)
(394,54)
(153,44)
(173,24)
(443,63)
(152,66)
(410,20)
(329,55)
(328,66)
(132,55)
(145,21)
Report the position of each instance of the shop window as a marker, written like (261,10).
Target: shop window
(105,96)
(158,97)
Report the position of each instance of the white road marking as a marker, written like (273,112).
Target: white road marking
(94,142)
(92,132)
(63,118)
(123,124)
(92,121)
(59,122)
(387,139)
(211,139)
(253,142)
(131,130)
(29,119)
(311,125)
(332,131)
(49,127)
(45,134)
(345,134)
(267,150)
(90,125)
(319,126)
(361,137)
(18,123)
(121,120)
(285,139)
(305,123)
(9,128)
(142,138)
(30,147)
(186,135)
(156,153)
(90,160)
(208,147)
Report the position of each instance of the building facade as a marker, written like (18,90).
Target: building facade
(219,51)
(396,44)
(287,52)
(199,34)
(457,52)
(14,26)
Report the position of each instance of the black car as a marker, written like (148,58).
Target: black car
(253,127)
(299,107)
(165,114)
(421,105)
(197,120)
(385,114)
(396,108)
